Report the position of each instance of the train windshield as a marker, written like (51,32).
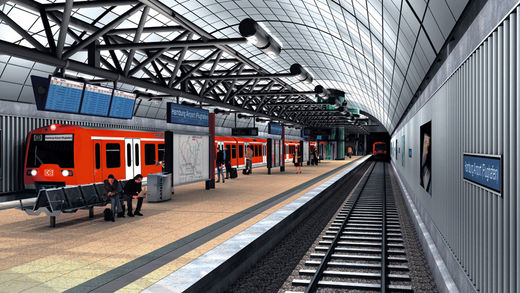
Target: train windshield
(380,146)
(51,149)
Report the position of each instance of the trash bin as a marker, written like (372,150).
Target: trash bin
(159,187)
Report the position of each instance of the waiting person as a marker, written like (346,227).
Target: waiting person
(349,152)
(227,162)
(220,163)
(112,190)
(297,160)
(249,159)
(133,189)
(316,157)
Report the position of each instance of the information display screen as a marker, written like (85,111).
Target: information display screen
(64,95)
(96,100)
(122,105)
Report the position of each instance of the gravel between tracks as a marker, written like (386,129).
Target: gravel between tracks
(274,268)
(419,270)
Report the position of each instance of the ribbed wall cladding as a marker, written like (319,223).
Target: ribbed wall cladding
(13,139)
(475,111)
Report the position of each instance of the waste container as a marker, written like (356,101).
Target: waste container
(159,187)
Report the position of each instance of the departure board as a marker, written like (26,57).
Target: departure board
(122,105)
(96,100)
(64,95)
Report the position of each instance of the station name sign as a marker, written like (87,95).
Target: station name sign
(484,170)
(180,114)
(275,129)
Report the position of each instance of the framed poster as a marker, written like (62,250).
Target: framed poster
(402,153)
(425,158)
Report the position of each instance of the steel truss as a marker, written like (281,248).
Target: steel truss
(220,77)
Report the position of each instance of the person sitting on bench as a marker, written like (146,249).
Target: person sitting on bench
(112,191)
(133,189)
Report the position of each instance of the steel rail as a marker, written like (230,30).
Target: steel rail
(313,285)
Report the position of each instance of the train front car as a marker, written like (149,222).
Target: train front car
(49,158)
(379,150)
(59,155)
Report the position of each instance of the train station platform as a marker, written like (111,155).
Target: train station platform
(83,255)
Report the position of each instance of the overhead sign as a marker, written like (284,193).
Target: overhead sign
(484,170)
(96,100)
(275,129)
(247,131)
(64,95)
(180,114)
(122,105)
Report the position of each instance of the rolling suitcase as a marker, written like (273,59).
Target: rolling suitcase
(233,173)
(245,171)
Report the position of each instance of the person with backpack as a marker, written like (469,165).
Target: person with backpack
(112,191)
(220,163)
(133,189)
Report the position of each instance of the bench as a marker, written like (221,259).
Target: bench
(68,199)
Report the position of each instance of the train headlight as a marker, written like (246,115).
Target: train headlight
(32,172)
(66,173)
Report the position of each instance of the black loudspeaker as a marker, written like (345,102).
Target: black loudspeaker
(168,152)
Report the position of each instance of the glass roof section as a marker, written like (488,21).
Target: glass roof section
(377,51)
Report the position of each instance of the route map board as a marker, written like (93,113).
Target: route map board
(122,105)
(96,100)
(190,158)
(64,95)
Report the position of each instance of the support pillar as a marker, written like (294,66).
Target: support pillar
(282,163)
(212,152)
(340,141)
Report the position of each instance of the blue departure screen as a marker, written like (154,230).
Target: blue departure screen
(122,105)
(96,100)
(64,95)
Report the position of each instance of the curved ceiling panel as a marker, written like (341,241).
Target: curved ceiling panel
(376,51)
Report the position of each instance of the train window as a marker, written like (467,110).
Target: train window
(264,150)
(257,150)
(233,151)
(149,154)
(42,151)
(137,154)
(98,156)
(113,155)
(128,155)
(160,150)
(241,151)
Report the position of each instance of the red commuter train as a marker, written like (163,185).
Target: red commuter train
(379,148)
(59,154)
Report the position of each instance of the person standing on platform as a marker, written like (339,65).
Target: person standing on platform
(249,160)
(133,189)
(220,163)
(297,161)
(227,162)
(112,190)
(349,152)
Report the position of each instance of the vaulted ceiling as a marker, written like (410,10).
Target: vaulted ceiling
(377,51)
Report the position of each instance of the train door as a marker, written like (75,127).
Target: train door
(132,157)
(98,171)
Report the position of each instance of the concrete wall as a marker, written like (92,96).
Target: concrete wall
(476,110)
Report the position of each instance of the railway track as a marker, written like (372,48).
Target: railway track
(362,249)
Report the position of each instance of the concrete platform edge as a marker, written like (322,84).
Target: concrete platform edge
(238,254)
(449,276)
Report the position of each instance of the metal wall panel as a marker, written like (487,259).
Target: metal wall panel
(476,111)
